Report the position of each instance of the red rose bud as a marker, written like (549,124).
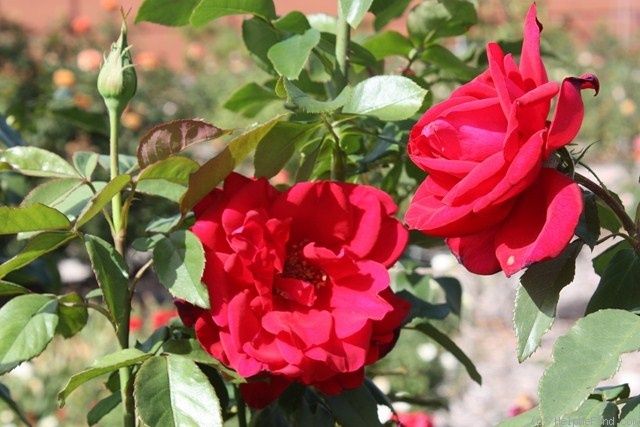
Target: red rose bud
(117,81)
(490,191)
(298,294)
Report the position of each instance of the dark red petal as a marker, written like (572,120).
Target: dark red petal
(262,391)
(476,251)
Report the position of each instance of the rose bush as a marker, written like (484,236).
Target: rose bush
(492,190)
(298,283)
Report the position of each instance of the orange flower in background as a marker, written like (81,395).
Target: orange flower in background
(64,78)
(89,60)
(109,5)
(146,61)
(80,24)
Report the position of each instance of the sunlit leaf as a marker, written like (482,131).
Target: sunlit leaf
(36,217)
(34,161)
(167,139)
(445,18)
(166,12)
(537,298)
(386,97)
(289,56)
(105,365)
(589,353)
(28,325)
(162,188)
(354,10)
(100,200)
(312,105)
(85,162)
(175,169)
(179,262)
(386,10)
(171,391)
(209,10)
(10,289)
(37,246)
(215,170)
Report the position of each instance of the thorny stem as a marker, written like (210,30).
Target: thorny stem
(627,223)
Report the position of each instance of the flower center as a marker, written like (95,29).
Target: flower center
(297,267)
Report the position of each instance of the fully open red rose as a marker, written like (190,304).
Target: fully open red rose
(490,191)
(298,283)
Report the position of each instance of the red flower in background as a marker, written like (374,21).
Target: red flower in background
(413,419)
(489,190)
(298,283)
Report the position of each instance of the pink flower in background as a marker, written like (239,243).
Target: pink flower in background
(298,283)
(414,419)
(89,60)
(491,190)
(162,317)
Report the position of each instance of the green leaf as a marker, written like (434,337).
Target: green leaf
(174,169)
(289,56)
(433,20)
(386,97)
(447,61)
(167,139)
(389,43)
(101,199)
(205,179)
(103,407)
(163,224)
(276,148)
(258,37)
(28,325)
(36,247)
(630,411)
(162,188)
(145,244)
(435,334)
(618,287)
(537,298)
(588,228)
(72,314)
(112,275)
(530,418)
(598,413)
(386,10)
(312,105)
(10,289)
(209,10)
(126,164)
(601,262)
(36,217)
(608,219)
(293,22)
(587,354)
(105,365)
(166,12)
(85,162)
(172,391)
(192,349)
(179,262)
(611,393)
(33,161)
(421,309)
(52,193)
(250,99)
(355,407)
(354,10)
(5,396)
(453,292)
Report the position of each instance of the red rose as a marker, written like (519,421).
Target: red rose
(489,190)
(298,283)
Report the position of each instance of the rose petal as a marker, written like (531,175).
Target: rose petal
(476,251)
(531,64)
(541,224)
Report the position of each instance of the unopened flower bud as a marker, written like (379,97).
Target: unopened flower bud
(117,80)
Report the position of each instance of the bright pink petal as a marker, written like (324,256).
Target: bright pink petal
(531,64)
(542,223)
